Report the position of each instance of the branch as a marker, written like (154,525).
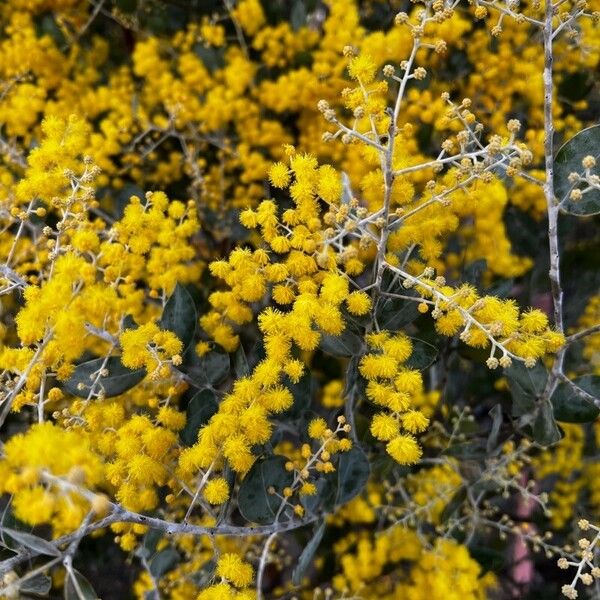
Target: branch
(582,334)
(263,564)
(551,205)
(120,515)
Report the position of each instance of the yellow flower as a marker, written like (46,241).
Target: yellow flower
(358,303)
(362,68)
(216,491)
(374,366)
(235,570)
(279,175)
(384,427)
(404,449)
(414,421)
(308,489)
(317,428)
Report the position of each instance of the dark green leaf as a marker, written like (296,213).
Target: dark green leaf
(466,450)
(568,160)
(570,407)
(127,6)
(119,378)
(423,355)
(240,363)
(148,546)
(199,410)
(545,430)
(207,370)
(353,378)
(256,504)
(179,316)
(496,414)
(346,344)
(334,489)
(394,313)
(526,385)
(128,322)
(352,470)
(48,25)
(77,587)
(302,392)
(39,585)
(576,86)
(162,562)
(212,58)
(298,15)
(323,500)
(32,542)
(308,554)
(205,574)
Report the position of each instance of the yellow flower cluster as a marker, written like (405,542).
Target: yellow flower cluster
(448,572)
(371,567)
(391,385)
(321,134)
(236,575)
(433,488)
(488,321)
(44,470)
(149,347)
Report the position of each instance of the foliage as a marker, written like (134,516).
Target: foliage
(299,299)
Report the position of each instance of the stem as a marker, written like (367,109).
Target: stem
(582,334)
(551,204)
(263,564)
(120,515)
(552,207)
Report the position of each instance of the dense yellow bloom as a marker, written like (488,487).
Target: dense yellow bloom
(279,175)
(29,471)
(358,303)
(216,491)
(317,428)
(147,346)
(298,314)
(235,570)
(404,449)
(384,427)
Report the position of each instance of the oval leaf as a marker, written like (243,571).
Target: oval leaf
(308,554)
(351,474)
(32,542)
(568,160)
(545,430)
(394,313)
(302,392)
(39,585)
(199,410)
(119,378)
(255,502)
(423,355)
(77,587)
(163,561)
(526,385)
(179,315)
(570,407)
(346,344)
(148,546)
(207,370)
